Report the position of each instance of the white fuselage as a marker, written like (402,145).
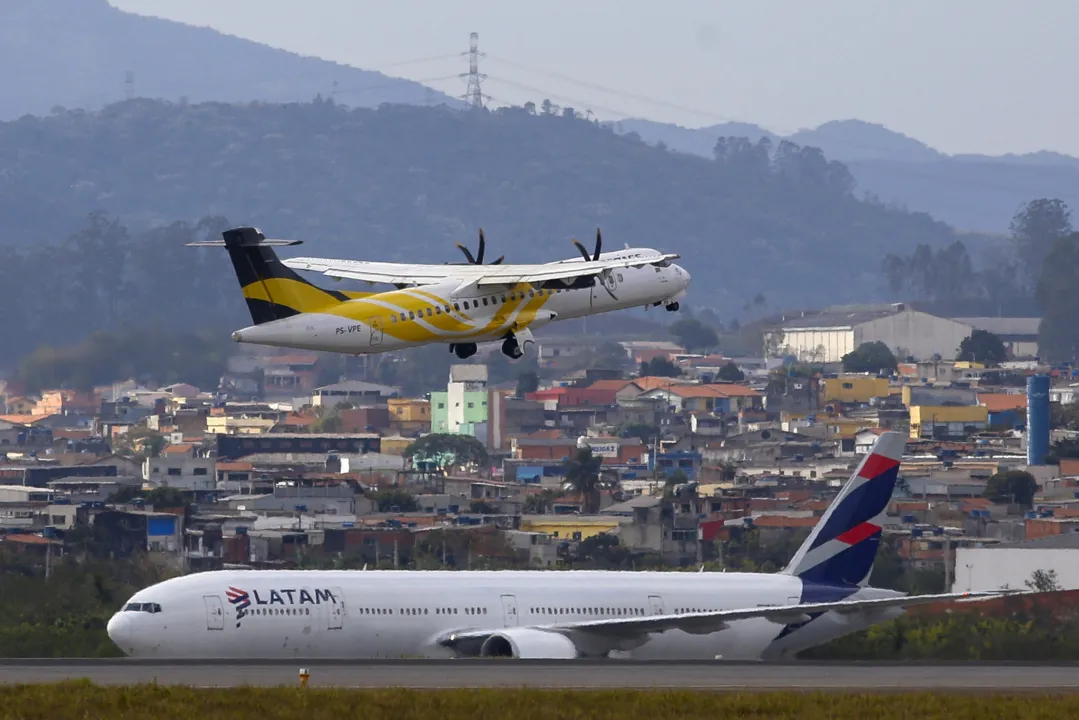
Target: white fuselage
(398,614)
(388,321)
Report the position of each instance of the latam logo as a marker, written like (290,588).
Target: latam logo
(240,600)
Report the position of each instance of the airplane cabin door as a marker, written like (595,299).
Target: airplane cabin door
(655,604)
(335,613)
(376,332)
(215,612)
(509,611)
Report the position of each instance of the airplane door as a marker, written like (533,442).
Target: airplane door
(376,332)
(509,611)
(655,603)
(215,612)
(335,615)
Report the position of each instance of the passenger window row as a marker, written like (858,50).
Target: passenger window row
(281,611)
(433,310)
(611,612)
(422,611)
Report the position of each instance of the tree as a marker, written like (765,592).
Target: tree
(693,335)
(1058,295)
(446,450)
(1043,581)
(870,357)
(982,346)
(527,382)
(584,477)
(730,373)
(395,500)
(1035,229)
(659,367)
(1011,486)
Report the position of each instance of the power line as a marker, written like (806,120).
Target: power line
(416,61)
(393,82)
(902,169)
(843,142)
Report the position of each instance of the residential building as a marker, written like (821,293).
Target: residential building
(353,392)
(183,472)
(853,389)
(947,422)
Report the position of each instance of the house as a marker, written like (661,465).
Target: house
(1006,410)
(826,336)
(717,398)
(853,389)
(352,392)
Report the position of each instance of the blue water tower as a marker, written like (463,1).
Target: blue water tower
(1037,419)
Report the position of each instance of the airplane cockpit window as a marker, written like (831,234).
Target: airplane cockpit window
(142,607)
(664,263)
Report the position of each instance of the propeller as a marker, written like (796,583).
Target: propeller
(594,257)
(478,258)
(584,253)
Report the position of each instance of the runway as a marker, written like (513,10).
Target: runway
(718,676)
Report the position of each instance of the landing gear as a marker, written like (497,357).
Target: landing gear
(511,349)
(672,307)
(463,350)
(516,342)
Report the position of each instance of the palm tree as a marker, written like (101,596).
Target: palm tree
(583,476)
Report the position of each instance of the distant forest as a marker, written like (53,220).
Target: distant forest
(406,183)
(89,238)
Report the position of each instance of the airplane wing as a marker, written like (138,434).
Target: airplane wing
(511,274)
(381,272)
(709,622)
(467,275)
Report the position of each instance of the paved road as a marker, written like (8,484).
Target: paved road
(509,673)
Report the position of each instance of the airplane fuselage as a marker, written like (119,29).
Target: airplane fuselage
(454,312)
(394,614)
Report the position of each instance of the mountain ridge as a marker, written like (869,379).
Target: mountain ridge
(972,192)
(93,45)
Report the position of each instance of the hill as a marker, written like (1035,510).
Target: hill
(973,192)
(76,54)
(404,183)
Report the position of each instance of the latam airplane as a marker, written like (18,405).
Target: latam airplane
(460,305)
(822,594)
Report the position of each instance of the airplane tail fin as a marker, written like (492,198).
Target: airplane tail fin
(842,547)
(272,290)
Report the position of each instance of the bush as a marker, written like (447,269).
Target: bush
(143,702)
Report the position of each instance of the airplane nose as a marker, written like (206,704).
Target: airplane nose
(119,630)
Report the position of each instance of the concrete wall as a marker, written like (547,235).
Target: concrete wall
(993,568)
(914,333)
(823,345)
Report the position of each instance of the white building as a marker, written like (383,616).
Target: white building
(353,392)
(825,337)
(1012,565)
(182,472)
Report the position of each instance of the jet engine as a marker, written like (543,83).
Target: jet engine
(526,643)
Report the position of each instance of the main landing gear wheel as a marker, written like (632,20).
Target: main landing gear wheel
(463,350)
(672,307)
(511,349)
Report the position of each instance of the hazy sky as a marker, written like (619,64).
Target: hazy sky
(988,76)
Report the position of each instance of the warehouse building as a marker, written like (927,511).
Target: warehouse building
(1012,565)
(1019,335)
(826,336)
